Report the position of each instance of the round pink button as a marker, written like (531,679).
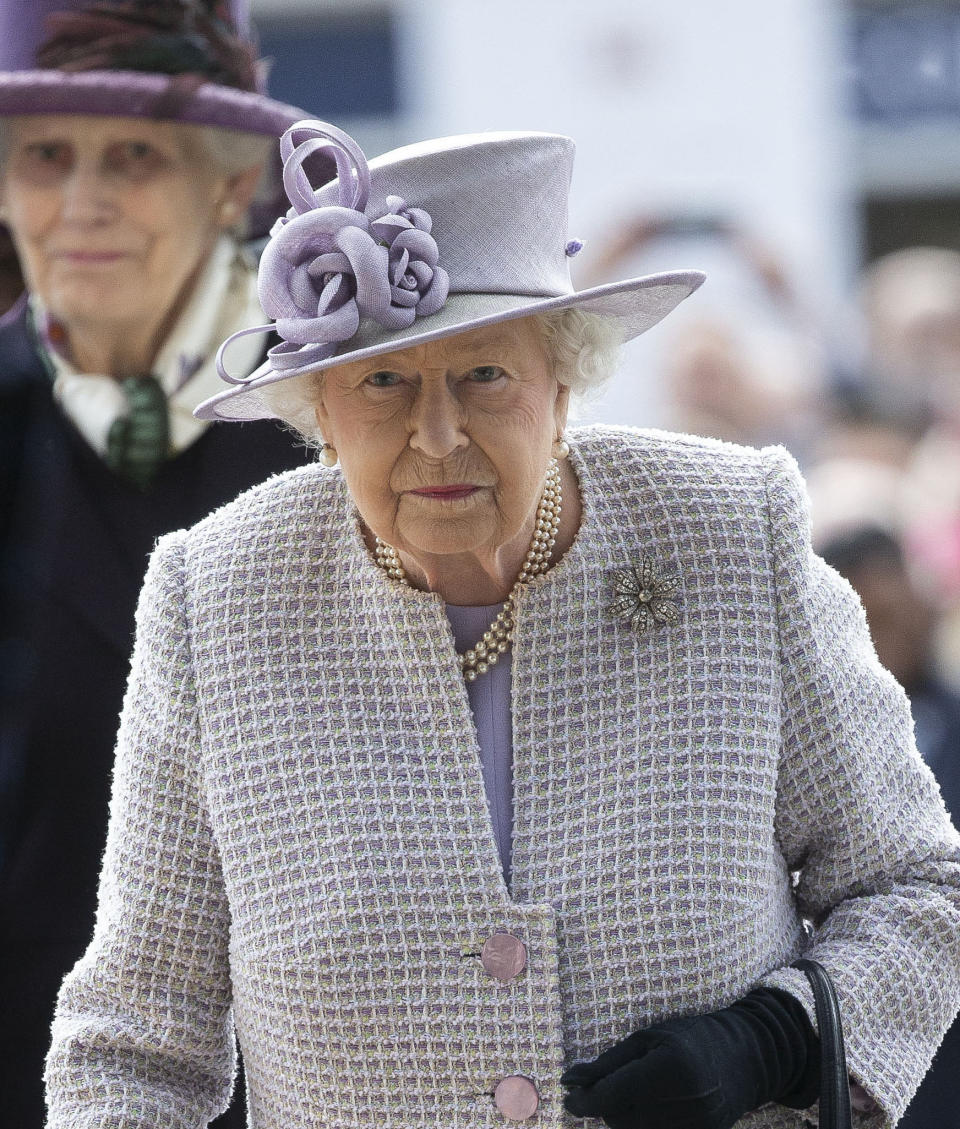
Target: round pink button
(516,1097)
(503,956)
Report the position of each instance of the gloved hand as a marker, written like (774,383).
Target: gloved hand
(704,1071)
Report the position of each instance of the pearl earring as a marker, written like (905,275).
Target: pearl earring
(561,448)
(328,455)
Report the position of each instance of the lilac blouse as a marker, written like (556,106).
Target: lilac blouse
(490,702)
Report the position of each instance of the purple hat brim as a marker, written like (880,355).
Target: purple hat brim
(143,95)
(637,304)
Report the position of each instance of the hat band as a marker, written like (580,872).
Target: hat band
(178,37)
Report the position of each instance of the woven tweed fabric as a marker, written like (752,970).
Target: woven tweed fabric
(300,840)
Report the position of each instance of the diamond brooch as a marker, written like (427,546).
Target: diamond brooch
(643,598)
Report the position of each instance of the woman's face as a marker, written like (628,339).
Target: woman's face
(445,445)
(111,216)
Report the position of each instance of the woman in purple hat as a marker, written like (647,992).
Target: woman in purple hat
(133,141)
(492,770)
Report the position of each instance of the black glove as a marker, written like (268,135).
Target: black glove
(703,1071)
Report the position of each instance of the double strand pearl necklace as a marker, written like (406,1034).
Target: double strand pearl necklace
(499,635)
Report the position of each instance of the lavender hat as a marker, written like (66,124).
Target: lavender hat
(190,61)
(424,242)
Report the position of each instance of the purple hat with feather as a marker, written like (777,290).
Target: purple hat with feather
(190,61)
(424,242)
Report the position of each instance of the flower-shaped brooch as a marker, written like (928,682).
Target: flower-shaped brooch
(644,598)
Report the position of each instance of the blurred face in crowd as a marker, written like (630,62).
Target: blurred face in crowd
(112,217)
(445,445)
(911,299)
(901,621)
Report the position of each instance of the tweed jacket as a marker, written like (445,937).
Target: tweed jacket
(300,843)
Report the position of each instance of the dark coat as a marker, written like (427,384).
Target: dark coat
(74,542)
(936,710)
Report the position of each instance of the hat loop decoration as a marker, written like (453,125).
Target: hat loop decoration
(346,153)
(328,266)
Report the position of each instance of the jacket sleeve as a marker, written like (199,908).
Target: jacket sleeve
(142,1035)
(860,822)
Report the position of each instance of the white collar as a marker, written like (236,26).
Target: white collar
(224,300)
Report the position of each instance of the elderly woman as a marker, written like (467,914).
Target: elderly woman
(133,139)
(494,771)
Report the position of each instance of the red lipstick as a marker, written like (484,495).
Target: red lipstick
(446,493)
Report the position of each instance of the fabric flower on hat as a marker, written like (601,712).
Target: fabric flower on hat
(327,267)
(417,283)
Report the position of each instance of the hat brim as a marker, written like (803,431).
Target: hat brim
(636,304)
(143,95)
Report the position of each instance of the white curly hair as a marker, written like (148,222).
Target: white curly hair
(583,349)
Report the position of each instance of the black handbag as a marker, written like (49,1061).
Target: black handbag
(835,1111)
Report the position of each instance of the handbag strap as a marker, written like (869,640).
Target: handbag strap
(835,1111)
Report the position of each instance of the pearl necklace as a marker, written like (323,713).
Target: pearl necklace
(498,637)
